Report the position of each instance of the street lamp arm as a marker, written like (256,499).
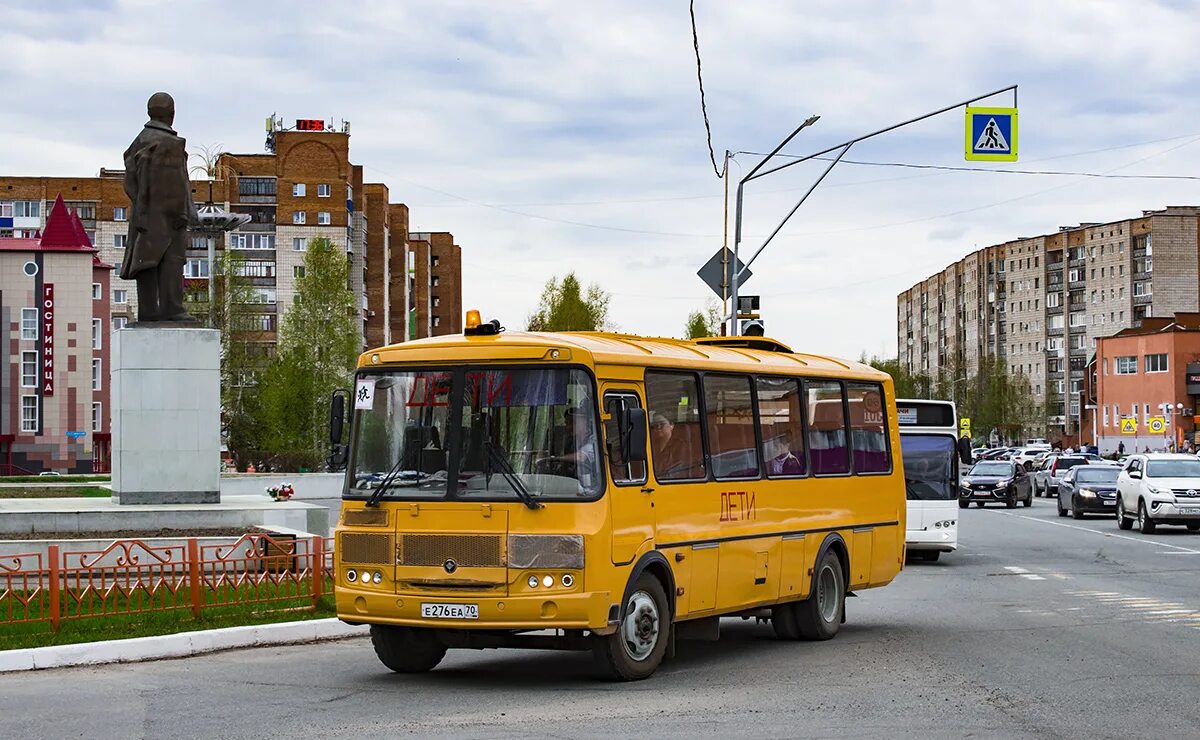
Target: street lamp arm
(755,174)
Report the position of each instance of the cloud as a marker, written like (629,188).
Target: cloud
(568,136)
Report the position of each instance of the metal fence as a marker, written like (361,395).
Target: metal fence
(135,577)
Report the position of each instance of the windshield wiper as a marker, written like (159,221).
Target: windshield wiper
(510,476)
(385,483)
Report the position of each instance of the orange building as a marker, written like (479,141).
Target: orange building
(1142,381)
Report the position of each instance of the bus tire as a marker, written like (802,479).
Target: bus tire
(819,616)
(406,650)
(637,648)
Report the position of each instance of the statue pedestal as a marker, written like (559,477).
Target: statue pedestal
(166,416)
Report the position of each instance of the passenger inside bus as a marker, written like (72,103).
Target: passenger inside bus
(674,457)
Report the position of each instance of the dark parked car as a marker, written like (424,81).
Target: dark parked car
(995,482)
(1088,489)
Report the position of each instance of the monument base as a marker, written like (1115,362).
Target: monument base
(166,415)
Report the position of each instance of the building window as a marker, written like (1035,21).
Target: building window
(97,416)
(297,271)
(299,244)
(29,367)
(436,301)
(323,218)
(97,333)
(298,190)
(196,268)
(1074,276)
(119,322)
(256,186)
(1142,288)
(119,214)
(95,373)
(119,241)
(256,269)
(299,217)
(29,413)
(97,291)
(1105,416)
(27,209)
(1156,363)
(120,296)
(1078,318)
(437,320)
(1125,366)
(264,296)
(251,241)
(323,190)
(29,324)
(435,261)
(434,282)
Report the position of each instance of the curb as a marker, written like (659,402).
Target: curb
(179,645)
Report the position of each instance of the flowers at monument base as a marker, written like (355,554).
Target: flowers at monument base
(281,492)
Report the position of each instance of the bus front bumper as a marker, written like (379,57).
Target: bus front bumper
(587,610)
(941,539)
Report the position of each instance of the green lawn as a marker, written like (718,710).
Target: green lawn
(94,619)
(56,492)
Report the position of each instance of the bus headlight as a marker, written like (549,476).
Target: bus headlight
(533,581)
(545,551)
(351,575)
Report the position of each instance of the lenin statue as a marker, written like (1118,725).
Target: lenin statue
(160,193)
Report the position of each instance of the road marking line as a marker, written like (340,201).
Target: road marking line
(1015,569)
(1095,531)
(1172,552)
(1031,577)
(1169,611)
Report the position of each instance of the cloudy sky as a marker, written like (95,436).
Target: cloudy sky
(555,136)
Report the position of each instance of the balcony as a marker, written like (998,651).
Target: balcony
(1076,262)
(1144,275)
(1057,332)
(1074,284)
(1054,310)
(1142,300)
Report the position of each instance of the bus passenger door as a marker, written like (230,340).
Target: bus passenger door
(630,498)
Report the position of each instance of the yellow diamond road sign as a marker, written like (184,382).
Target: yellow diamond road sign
(991,134)
(1128,426)
(1156,424)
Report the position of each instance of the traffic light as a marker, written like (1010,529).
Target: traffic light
(753,328)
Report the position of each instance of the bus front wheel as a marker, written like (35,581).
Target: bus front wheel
(406,650)
(635,650)
(819,616)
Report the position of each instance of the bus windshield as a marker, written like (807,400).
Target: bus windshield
(929,467)
(505,434)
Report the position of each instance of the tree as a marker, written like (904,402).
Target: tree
(906,385)
(996,399)
(319,342)
(565,307)
(706,323)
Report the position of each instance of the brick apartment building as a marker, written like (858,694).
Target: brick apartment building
(1145,372)
(302,187)
(54,365)
(1042,303)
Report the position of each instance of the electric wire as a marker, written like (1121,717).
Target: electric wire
(712,155)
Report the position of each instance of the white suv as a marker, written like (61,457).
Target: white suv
(1028,455)
(1159,489)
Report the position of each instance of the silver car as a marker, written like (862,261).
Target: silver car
(1049,475)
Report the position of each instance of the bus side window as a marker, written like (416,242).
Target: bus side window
(676,444)
(729,410)
(624,472)
(827,446)
(868,428)
(781,428)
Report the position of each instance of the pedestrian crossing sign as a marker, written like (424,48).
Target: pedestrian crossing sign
(991,134)
(1128,425)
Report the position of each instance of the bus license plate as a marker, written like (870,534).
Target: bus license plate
(450,611)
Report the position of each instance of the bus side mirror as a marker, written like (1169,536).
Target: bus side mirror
(964,450)
(337,421)
(633,434)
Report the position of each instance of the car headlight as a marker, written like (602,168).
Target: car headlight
(1087,493)
(563,551)
(1001,485)
(1159,491)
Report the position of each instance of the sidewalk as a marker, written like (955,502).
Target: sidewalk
(179,645)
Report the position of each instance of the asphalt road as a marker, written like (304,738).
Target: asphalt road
(1037,627)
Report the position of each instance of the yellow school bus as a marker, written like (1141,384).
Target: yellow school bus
(610,493)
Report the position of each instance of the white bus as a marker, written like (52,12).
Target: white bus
(929,442)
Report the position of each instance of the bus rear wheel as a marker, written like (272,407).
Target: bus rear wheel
(637,648)
(406,650)
(819,616)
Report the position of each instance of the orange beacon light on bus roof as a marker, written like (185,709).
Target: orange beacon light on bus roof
(473,320)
